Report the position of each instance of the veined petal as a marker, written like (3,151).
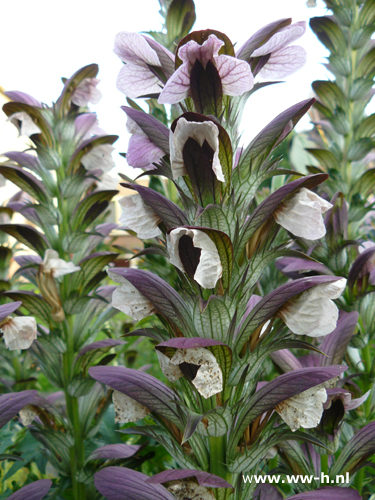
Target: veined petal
(188,489)
(209,378)
(142,152)
(135,80)
(281,39)
(106,183)
(200,132)
(177,87)
(24,123)
(139,217)
(2,181)
(236,76)
(27,415)
(127,299)
(19,333)
(302,215)
(284,62)
(305,409)
(313,313)
(192,51)
(127,409)
(99,158)
(209,269)
(86,92)
(59,267)
(133,48)
(170,370)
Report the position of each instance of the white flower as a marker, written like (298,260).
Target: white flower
(170,370)
(311,3)
(99,157)
(209,377)
(106,183)
(209,269)
(188,489)
(139,217)
(2,181)
(19,333)
(302,215)
(24,123)
(200,132)
(303,410)
(86,92)
(127,299)
(313,313)
(58,267)
(142,152)
(127,409)
(27,415)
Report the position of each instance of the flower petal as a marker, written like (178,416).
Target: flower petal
(139,217)
(26,126)
(127,299)
(127,409)
(313,313)
(209,378)
(284,62)
(188,489)
(100,157)
(133,48)
(209,269)
(135,80)
(19,333)
(59,267)
(236,76)
(86,92)
(200,132)
(142,152)
(281,39)
(170,370)
(301,214)
(177,87)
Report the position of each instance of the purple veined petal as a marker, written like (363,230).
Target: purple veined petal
(258,38)
(121,483)
(286,360)
(113,451)
(328,493)
(335,344)
(266,492)
(133,48)
(100,345)
(356,402)
(136,80)
(34,491)
(142,153)
(12,402)
(203,478)
(309,361)
(27,260)
(83,123)
(284,62)
(295,264)
(140,386)
(281,39)
(166,58)
(236,76)
(17,96)
(106,291)
(8,309)
(177,87)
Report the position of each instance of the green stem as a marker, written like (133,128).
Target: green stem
(324,464)
(218,456)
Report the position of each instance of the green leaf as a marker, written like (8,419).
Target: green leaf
(359,149)
(5,456)
(329,34)
(340,65)
(330,94)
(366,128)
(26,235)
(90,267)
(90,208)
(214,321)
(219,217)
(325,158)
(361,89)
(34,303)
(223,355)
(216,423)
(366,66)
(180,19)
(80,386)
(367,13)
(25,181)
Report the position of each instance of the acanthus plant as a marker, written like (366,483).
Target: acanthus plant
(218,415)
(65,197)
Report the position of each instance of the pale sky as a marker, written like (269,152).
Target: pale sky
(43,40)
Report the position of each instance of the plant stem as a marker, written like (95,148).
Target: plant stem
(218,456)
